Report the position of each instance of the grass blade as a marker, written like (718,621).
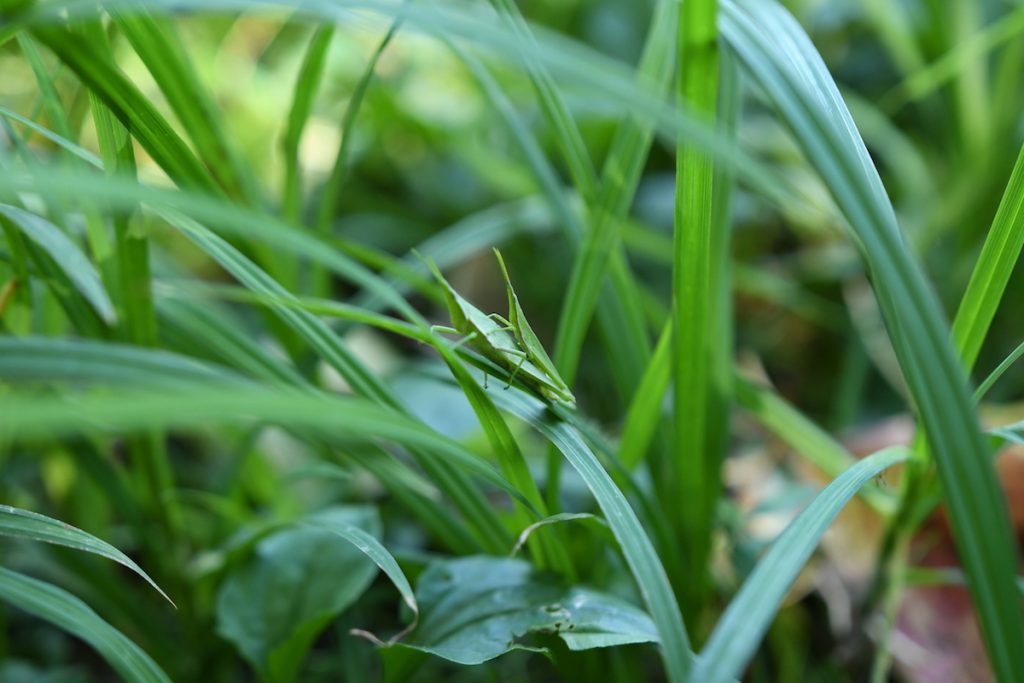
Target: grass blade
(66,255)
(26,524)
(157,44)
(698,412)
(62,609)
(992,272)
(637,548)
(751,611)
(779,55)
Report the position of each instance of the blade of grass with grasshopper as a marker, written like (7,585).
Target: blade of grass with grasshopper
(510,344)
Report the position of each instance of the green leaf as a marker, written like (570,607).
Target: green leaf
(808,439)
(750,613)
(636,546)
(780,57)
(158,45)
(71,614)
(66,255)
(992,271)
(373,549)
(297,580)
(31,525)
(136,112)
(477,608)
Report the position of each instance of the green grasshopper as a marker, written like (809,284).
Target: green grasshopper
(520,353)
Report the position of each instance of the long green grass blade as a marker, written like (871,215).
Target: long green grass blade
(751,611)
(779,56)
(26,524)
(310,73)
(157,43)
(128,104)
(71,614)
(696,460)
(637,548)
(992,271)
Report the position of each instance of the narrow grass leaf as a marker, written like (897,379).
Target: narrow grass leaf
(776,52)
(64,610)
(137,114)
(66,255)
(992,272)
(750,613)
(637,548)
(31,525)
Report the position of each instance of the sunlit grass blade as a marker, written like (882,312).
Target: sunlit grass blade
(310,73)
(64,610)
(158,45)
(68,257)
(697,414)
(134,110)
(780,57)
(993,269)
(751,611)
(26,524)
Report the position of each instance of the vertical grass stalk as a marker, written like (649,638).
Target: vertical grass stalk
(694,295)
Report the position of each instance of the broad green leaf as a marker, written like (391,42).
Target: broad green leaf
(66,255)
(64,610)
(474,609)
(273,606)
(750,613)
(31,525)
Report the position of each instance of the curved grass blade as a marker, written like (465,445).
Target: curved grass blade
(637,548)
(750,613)
(50,359)
(156,42)
(64,610)
(374,550)
(1000,370)
(780,57)
(805,437)
(128,104)
(31,525)
(66,255)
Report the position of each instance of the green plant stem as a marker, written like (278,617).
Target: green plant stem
(697,479)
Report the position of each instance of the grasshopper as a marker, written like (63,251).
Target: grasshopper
(489,334)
